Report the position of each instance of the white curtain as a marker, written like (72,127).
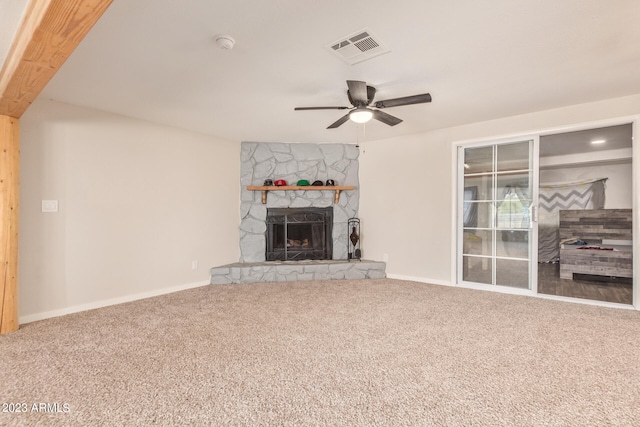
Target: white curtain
(587,194)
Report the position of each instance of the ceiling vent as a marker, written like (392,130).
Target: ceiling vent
(357,47)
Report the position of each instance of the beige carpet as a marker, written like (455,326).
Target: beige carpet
(336,353)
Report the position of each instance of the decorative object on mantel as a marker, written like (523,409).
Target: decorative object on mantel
(268,182)
(354,252)
(281,183)
(317,183)
(330,182)
(303,183)
(265,189)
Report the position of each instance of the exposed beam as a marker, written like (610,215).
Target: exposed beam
(9,197)
(49,32)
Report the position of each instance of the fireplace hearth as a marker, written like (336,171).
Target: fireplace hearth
(299,234)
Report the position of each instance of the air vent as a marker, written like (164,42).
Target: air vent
(357,47)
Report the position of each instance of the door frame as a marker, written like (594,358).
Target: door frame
(634,120)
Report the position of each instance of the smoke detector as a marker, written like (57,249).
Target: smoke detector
(225,42)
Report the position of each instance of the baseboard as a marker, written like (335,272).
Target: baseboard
(420,279)
(105,303)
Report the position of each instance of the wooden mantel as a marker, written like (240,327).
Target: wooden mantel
(266,189)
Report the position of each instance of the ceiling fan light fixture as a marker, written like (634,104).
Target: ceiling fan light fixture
(361,115)
(361,96)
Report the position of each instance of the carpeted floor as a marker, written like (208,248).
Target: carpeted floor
(335,353)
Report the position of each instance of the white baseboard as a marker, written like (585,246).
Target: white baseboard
(105,303)
(420,279)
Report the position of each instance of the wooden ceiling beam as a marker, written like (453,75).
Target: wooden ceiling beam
(49,32)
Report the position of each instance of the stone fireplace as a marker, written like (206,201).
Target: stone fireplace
(292,162)
(295,234)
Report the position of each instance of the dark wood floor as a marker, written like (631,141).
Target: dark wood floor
(603,289)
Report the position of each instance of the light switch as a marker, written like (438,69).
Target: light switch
(49,206)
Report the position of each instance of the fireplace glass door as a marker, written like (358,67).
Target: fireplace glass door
(299,233)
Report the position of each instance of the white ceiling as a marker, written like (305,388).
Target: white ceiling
(10,13)
(480,60)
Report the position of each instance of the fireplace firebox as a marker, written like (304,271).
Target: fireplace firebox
(299,233)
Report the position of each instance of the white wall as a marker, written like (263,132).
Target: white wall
(406,204)
(138,202)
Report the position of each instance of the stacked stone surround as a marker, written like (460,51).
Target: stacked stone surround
(292,162)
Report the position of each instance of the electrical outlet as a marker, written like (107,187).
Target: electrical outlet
(194,264)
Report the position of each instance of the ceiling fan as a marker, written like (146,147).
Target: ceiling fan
(361,96)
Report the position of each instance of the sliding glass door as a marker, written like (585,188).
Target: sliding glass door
(497,190)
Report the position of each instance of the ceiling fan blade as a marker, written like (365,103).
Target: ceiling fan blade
(358,93)
(385,118)
(407,100)
(320,108)
(339,122)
